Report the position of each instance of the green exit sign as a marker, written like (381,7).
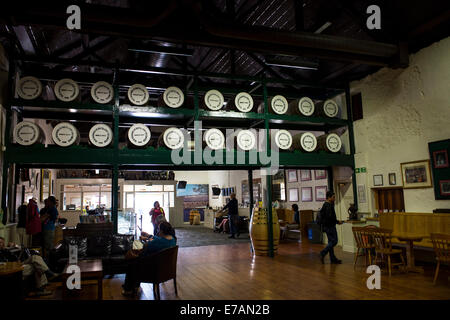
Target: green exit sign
(363,169)
(357,170)
(360,170)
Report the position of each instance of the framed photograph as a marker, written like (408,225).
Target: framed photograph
(293,194)
(320,174)
(378,180)
(321,193)
(416,174)
(440,159)
(392,179)
(307,194)
(444,187)
(305,175)
(292,175)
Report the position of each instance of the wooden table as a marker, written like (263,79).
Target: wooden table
(11,280)
(90,269)
(410,238)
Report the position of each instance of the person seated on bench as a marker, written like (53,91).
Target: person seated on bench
(165,239)
(33,265)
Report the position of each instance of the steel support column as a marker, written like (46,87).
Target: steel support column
(351,137)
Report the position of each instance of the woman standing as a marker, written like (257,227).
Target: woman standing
(157,215)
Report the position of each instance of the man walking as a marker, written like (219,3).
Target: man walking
(233,215)
(327,218)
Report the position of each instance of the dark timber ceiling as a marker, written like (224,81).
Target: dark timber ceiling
(225,36)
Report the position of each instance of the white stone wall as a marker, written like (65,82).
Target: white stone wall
(404,110)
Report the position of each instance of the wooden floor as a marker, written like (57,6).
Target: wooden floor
(230,272)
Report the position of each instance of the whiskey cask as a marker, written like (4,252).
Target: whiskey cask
(100,135)
(66,90)
(282,139)
(172,97)
(242,102)
(27,133)
(277,105)
(213,100)
(304,142)
(65,134)
(214,139)
(302,107)
(172,138)
(102,92)
(328,109)
(139,136)
(329,142)
(138,95)
(29,88)
(246,140)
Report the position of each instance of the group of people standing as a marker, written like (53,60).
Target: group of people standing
(38,224)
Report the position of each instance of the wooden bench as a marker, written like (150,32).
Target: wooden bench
(419,223)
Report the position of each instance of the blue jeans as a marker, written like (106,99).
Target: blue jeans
(233,220)
(332,242)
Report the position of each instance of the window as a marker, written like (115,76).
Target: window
(169,187)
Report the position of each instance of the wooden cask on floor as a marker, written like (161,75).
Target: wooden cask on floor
(259,232)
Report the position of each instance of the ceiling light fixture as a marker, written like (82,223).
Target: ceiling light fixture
(306,65)
(323,27)
(164,50)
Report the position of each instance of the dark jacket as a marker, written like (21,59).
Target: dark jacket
(328,215)
(232,206)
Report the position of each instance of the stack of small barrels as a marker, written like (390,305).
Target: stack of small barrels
(259,232)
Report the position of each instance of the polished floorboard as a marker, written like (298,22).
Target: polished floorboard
(230,272)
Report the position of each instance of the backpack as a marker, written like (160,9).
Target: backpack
(321,216)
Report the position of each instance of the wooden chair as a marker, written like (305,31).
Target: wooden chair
(441,245)
(383,246)
(157,268)
(364,243)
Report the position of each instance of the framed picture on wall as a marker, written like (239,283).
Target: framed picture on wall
(320,174)
(377,180)
(392,179)
(416,174)
(321,193)
(292,175)
(307,194)
(444,186)
(305,175)
(293,194)
(440,159)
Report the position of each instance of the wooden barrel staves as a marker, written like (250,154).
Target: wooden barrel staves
(192,214)
(328,109)
(304,142)
(259,232)
(303,107)
(329,142)
(28,133)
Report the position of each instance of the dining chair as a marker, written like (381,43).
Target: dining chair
(364,243)
(383,246)
(441,245)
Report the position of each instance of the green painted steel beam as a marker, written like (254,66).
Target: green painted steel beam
(230,114)
(61,105)
(52,154)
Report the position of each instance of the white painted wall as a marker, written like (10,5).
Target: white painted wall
(404,110)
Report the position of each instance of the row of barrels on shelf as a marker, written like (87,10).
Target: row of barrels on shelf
(102,92)
(139,135)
